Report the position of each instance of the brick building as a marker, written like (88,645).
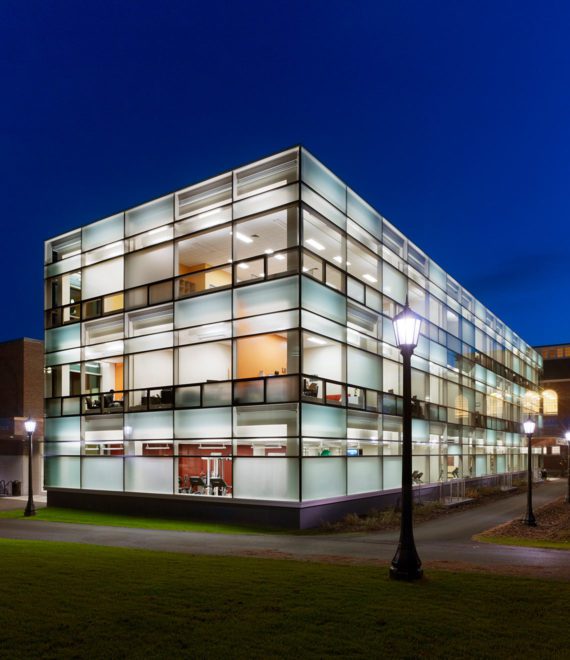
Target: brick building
(21,396)
(556,406)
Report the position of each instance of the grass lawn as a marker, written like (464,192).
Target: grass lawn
(529,543)
(54,514)
(66,600)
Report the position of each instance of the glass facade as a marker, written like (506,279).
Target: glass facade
(234,339)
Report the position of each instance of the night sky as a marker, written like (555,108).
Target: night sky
(451,118)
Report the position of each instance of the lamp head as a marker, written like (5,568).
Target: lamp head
(567,436)
(407,326)
(529,426)
(30,425)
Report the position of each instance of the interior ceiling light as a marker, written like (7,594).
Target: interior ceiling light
(268,251)
(243,237)
(338,259)
(317,340)
(280,257)
(315,244)
(368,277)
(244,266)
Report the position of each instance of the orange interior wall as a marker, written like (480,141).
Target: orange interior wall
(118,380)
(267,354)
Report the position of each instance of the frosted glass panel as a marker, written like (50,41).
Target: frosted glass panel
(394,283)
(321,421)
(64,266)
(322,326)
(63,357)
(266,174)
(266,201)
(62,472)
(480,465)
(266,323)
(58,339)
(364,214)
(149,343)
(149,475)
(364,475)
(203,423)
(203,197)
(149,265)
(392,472)
(266,478)
(325,208)
(323,477)
(63,428)
(102,278)
(103,232)
(323,181)
(149,425)
(266,297)
(269,421)
(204,309)
(62,448)
(150,215)
(364,369)
(323,300)
(102,473)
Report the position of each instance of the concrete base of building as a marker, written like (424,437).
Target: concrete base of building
(288,515)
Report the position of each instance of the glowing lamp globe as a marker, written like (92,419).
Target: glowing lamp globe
(567,435)
(30,425)
(529,426)
(407,326)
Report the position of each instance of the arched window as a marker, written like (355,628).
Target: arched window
(550,402)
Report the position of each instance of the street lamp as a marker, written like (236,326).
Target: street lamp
(406,564)
(567,436)
(30,425)
(529,519)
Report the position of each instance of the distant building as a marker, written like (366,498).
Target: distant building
(228,350)
(556,405)
(21,396)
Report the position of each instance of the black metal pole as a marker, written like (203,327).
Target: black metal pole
(30,508)
(568,469)
(529,518)
(406,564)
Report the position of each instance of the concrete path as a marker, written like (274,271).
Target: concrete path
(446,540)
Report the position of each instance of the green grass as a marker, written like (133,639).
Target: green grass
(66,600)
(528,543)
(54,514)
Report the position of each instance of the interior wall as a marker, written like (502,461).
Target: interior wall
(151,369)
(203,362)
(323,361)
(261,355)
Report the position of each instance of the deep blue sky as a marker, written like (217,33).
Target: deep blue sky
(451,118)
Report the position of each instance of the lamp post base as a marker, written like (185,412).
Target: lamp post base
(30,509)
(529,520)
(407,573)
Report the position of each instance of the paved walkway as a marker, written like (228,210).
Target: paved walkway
(445,540)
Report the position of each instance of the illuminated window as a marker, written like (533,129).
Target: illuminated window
(550,402)
(531,402)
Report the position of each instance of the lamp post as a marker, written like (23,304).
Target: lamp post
(30,509)
(406,564)
(567,436)
(529,519)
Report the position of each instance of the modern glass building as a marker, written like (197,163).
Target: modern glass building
(227,350)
